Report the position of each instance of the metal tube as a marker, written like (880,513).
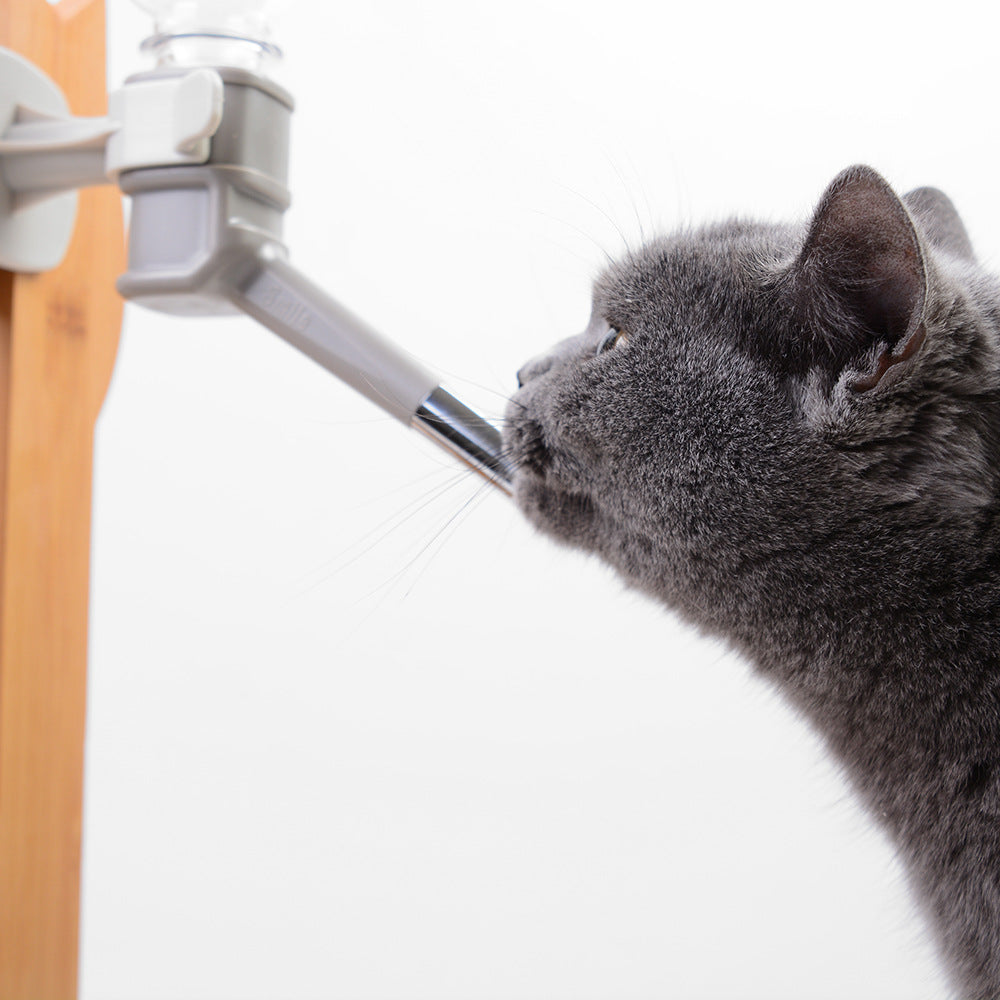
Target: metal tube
(455,427)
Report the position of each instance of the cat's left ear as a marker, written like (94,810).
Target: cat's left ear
(861,280)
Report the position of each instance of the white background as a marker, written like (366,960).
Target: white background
(355,731)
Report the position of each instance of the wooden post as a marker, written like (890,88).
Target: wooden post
(58,339)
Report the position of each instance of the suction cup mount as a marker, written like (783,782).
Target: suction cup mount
(33,237)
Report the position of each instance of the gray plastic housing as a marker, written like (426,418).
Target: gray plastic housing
(188,224)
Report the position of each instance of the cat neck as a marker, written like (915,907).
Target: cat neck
(896,662)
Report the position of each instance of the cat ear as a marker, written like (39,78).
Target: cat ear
(861,281)
(940,222)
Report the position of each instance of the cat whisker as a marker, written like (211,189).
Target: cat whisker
(454,522)
(580,232)
(607,215)
(354,552)
(483,488)
(628,192)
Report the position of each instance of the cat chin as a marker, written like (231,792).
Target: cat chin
(555,507)
(526,444)
(562,513)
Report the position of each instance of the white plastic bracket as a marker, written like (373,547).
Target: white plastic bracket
(46,154)
(165,122)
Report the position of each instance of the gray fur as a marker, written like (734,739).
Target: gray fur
(798,449)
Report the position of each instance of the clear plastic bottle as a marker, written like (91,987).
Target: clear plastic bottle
(212,33)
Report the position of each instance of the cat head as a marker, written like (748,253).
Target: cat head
(749,394)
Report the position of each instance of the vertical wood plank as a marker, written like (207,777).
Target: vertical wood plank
(58,339)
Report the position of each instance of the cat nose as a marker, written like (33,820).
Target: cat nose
(534,368)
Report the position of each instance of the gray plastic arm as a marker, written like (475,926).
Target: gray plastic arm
(281,298)
(278,296)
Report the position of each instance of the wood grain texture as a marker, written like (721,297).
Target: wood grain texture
(58,340)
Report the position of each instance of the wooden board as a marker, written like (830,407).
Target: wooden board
(58,339)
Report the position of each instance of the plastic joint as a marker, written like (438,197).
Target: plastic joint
(46,153)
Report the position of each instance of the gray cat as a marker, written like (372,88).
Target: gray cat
(791,436)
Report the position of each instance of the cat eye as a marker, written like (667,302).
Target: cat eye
(612,339)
